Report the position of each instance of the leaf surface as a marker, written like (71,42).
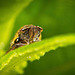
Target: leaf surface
(17,59)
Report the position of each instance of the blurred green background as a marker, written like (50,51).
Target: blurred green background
(56,17)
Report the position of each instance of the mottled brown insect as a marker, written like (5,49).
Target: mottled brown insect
(26,35)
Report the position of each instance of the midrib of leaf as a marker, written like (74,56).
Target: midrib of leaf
(34,51)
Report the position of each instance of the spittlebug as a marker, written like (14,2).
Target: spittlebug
(26,35)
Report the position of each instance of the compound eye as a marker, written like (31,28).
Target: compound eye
(23,29)
(17,40)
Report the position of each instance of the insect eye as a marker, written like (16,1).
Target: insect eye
(17,40)
(23,29)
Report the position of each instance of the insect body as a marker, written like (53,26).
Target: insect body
(26,35)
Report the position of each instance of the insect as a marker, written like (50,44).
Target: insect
(26,35)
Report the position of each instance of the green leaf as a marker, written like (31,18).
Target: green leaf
(17,59)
